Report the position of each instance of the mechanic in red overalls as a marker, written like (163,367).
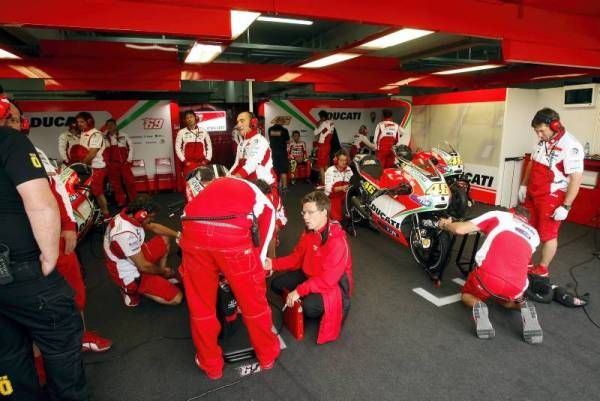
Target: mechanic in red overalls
(323,136)
(119,158)
(319,270)
(226,229)
(551,181)
(192,144)
(387,135)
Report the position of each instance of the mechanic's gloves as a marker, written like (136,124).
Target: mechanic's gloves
(560,213)
(522,193)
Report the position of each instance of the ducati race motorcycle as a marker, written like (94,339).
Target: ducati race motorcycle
(450,165)
(77,179)
(404,203)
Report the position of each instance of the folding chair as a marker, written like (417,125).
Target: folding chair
(138,169)
(163,174)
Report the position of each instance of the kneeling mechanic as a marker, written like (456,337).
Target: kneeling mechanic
(320,269)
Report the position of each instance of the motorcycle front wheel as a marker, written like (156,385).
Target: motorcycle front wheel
(430,250)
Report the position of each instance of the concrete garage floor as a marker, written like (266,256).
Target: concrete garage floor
(395,344)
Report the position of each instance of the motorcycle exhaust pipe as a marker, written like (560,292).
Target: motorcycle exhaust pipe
(360,208)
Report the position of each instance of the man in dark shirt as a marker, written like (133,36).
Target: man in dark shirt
(279,137)
(35,301)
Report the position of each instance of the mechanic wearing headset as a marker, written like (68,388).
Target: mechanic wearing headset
(253,160)
(551,181)
(138,267)
(319,270)
(337,182)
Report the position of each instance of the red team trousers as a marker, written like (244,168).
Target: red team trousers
(116,172)
(207,251)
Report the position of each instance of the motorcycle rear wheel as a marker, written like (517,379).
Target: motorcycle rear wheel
(433,258)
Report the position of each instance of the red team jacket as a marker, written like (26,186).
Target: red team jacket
(324,265)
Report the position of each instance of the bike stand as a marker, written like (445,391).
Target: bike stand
(236,347)
(465,266)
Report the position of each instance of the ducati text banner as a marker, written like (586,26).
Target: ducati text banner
(146,122)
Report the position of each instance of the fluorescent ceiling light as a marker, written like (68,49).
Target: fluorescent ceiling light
(469,69)
(240,21)
(395,38)
(285,20)
(287,77)
(203,53)
(328,60)
(407,81)
(557,76)
(151,47)
(8,55)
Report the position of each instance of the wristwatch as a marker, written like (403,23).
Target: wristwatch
(568,207)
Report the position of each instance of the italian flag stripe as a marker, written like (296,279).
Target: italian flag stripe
(285,106)
(136,113)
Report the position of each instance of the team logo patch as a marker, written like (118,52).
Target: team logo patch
(575,151)
(35,161)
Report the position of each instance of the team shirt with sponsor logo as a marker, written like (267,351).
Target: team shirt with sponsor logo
(94,139)
(387,132)
(19,163)
(562,157)
(186,136)
(335,177)
(324,130)
(254,158)
(297,150)
(129,238)
(508,246)
(66,140)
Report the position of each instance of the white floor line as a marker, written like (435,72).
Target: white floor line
(443,301)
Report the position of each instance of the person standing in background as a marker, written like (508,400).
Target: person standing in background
(298,156)
(387,135)
(323,137)
(119,157)
(361,141)
(95,143)
(192,144)
(279,137)
(69,149)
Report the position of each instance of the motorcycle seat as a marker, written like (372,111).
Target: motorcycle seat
(371,166)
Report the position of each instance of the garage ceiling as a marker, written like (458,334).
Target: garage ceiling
(138,46)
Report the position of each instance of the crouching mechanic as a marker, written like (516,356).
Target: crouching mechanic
(337,182)
(226,229)
(501,271)
(319,270)
(138,267)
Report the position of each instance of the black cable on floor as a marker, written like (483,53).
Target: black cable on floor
(577,283)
